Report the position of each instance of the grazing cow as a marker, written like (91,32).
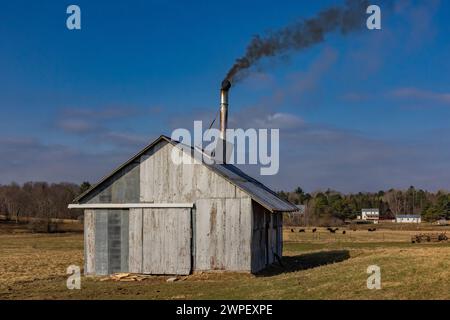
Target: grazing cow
(372,230)
(314,230)
(333,230)
(301,230)
(292,230)
(343,232)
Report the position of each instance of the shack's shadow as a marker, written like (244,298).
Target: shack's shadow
(304,262)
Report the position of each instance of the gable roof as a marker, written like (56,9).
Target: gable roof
(255,189)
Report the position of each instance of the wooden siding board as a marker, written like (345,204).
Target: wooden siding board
(127,188)
(164,181)
(280,235)
(146,179)
(217,229)
(245,234)
(192,230)
(232,231)
(124,238)
(101,242)
(272,234)
(223,234)
(135,241)
(147,241)
(166,241)
(202,235)
(122,187)
(89,242)
(258,238)
(266,238)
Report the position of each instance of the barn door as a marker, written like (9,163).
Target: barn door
(117,241)
(166,241)
(111,241)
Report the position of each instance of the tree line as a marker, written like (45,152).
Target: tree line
(50,200)
(39,200)
(329,205)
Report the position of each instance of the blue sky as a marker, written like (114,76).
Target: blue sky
(360,112)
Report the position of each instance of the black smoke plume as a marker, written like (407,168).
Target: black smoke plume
(303,34)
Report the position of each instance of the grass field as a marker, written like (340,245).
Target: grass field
(316,266)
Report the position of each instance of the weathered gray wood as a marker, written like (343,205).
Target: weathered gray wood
(89,242)
(272,238)
(208,255)
(223,234)
(266,237)
(280,235)
(135,241)
(167,241)
(232,231)
(245,236)
(202,235)
(162,180)
(101,242)
(123,187)
(259,238)
(193,232)
(124,241)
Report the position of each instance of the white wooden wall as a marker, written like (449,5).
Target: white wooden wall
(162,181)
(166,241)
(135,239)
(223,235)
(223,219)
(160,241)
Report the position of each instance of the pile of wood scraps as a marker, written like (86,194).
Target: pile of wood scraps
(125,277)
(130,277)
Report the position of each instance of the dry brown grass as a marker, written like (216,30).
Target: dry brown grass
(34,266)
(322,235)
(29,257)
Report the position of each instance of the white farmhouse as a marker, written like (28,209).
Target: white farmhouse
(370,215)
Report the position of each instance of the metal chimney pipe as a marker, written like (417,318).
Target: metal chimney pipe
(226,85)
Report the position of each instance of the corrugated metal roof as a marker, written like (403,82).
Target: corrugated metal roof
(255,189)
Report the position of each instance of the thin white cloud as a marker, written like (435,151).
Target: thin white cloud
(415,93)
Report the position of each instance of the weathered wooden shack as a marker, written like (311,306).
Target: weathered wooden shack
(154,216)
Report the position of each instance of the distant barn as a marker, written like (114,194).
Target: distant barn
(408,218)
(153,216)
